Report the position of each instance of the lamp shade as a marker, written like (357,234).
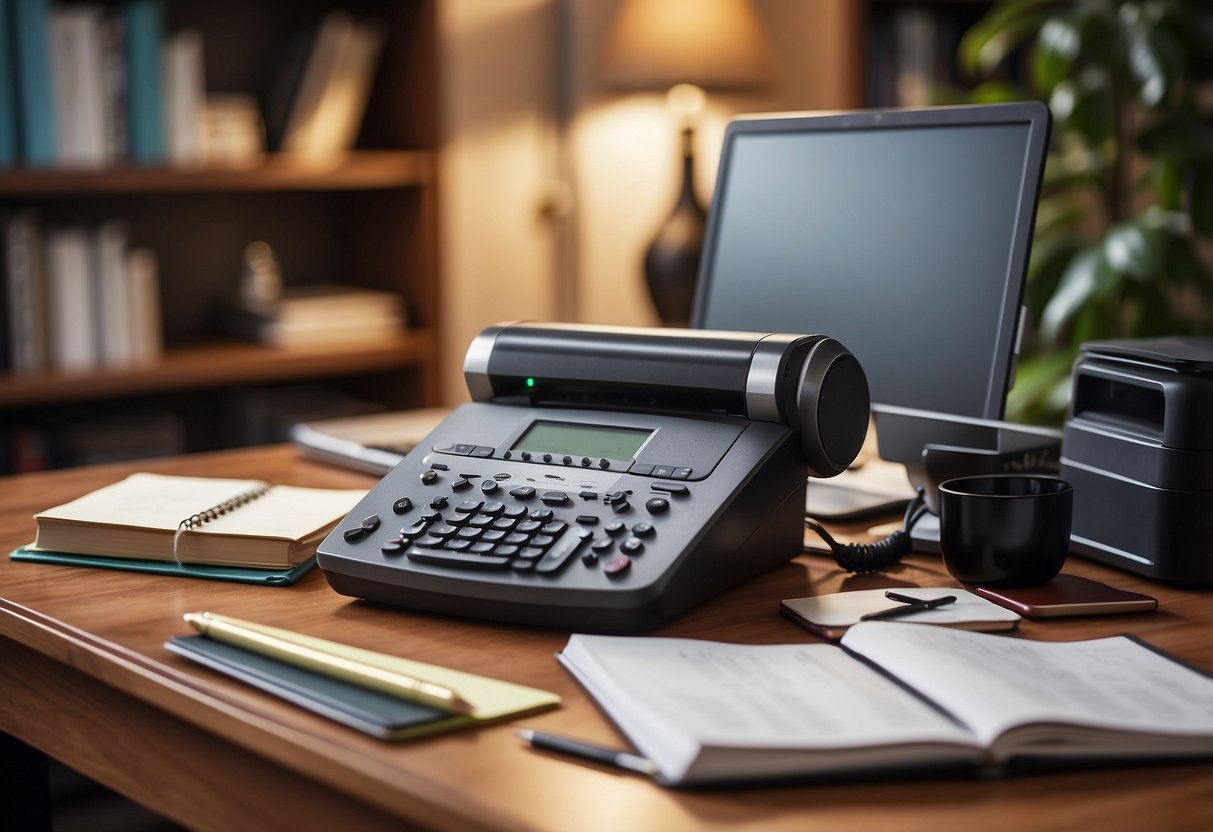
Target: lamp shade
(715,44)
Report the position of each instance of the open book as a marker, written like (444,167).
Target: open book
(900,696)
(198,520)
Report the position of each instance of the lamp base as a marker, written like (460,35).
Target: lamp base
(671,262)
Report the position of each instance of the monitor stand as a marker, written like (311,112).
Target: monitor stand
(924,537)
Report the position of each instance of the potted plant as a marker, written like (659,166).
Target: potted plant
(1123,245)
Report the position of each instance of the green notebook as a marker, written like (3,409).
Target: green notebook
(240,574)
(371,712)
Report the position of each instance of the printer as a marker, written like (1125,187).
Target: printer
(1138,449)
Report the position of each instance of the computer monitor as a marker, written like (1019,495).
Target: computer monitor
(903,233)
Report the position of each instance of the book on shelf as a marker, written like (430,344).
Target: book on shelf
(78,297)
(147,328)
(114,302)
(196,520)
(9,149)
(23,268)
(185,96)
(31,45)
(79,91)
(317,101)
(321,313)
(899,697)
(70,300)
(143,28)
(113,86)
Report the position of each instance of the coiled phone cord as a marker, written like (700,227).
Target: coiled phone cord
(875,557)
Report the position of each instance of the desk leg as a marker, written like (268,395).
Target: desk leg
(24,785)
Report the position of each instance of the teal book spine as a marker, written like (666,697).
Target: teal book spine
(8,89)
(35,97)
(144,25)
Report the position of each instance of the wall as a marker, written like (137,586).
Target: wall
(551,188)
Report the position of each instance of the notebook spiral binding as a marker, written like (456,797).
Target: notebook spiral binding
(207,515)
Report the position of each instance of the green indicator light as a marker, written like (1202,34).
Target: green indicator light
(530,382)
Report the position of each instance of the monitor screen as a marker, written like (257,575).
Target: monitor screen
(904,234)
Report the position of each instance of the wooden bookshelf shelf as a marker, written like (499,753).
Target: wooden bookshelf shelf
(218,364)
(358,171)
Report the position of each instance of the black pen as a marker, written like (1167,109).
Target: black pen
(910,608)
(588,751)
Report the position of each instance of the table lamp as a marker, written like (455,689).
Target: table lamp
(685,47)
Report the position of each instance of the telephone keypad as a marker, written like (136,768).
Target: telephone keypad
(458,531)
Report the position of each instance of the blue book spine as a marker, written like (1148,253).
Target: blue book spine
(8,89)
(35,89)
(144,24)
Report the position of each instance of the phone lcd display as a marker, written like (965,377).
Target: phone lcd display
(582,440)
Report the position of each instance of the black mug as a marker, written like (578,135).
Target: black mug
(1010,530)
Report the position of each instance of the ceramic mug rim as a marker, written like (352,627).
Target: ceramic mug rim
(1057,486)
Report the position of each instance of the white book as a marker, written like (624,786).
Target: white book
(185,96)
(319,73)
(26,294)
(71,300)
(343,104)
(147,331)
(79,86)
(115,323)
(901,696)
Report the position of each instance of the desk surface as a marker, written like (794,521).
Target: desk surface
(84,677)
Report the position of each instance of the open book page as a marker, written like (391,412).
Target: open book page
(996,683)
(674,697)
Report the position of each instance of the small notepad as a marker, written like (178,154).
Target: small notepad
(200,520)
(831,615)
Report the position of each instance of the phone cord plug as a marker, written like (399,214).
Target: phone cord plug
(874,557)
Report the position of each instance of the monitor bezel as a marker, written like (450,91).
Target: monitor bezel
(1034,114)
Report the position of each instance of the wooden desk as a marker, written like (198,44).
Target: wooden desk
(84,677)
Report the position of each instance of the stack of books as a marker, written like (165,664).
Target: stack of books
(322,313)
(76,298)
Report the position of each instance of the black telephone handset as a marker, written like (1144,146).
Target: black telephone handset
(605,478)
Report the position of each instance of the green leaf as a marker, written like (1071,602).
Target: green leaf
(1153,314)
(996,92)
(1183,137)
(1167,180)
(1184,268)
(988,41)
(1035,384)
(1155,61)
(1086,105)
(1085,279)
(1095,322)
(1050,259)
(1054,53)
(1059,215)
(1134,249)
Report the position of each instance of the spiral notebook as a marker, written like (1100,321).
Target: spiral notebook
(196,520)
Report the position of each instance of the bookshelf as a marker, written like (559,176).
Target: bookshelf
(365,218)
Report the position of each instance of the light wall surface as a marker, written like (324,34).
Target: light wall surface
(552,187)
